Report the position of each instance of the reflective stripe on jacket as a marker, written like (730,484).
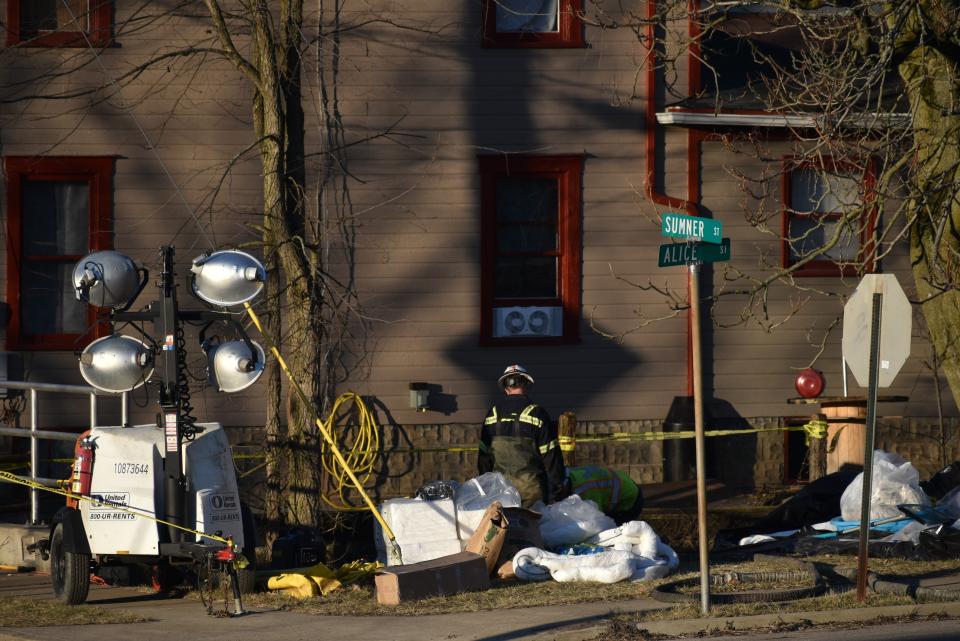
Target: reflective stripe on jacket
(611,490)
(519,440)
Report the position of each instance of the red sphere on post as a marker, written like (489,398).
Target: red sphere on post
(809,383)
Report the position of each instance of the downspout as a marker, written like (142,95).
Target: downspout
(689,205)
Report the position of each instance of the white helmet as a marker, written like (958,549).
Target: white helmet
(513,374)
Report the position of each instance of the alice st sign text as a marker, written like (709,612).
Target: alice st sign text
(684,253)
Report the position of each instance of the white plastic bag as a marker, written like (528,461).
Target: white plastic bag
(571,521)
(895,481)
(478,493)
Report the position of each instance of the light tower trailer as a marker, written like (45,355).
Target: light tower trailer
(119,525)
(163,493)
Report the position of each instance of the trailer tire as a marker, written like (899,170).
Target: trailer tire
(247,577)
(70,571)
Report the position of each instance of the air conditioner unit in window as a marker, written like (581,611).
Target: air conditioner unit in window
(527,321)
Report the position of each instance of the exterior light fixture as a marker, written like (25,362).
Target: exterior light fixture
(420,396)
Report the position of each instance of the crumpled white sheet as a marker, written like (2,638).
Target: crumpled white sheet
(636,553)
(570,521)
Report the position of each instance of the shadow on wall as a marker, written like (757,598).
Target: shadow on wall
(568,377)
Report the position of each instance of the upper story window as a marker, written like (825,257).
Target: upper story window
(818,203)
(532,23)
(530,283)
(58,210)
(59,23)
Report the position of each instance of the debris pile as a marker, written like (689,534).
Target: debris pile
(443,540)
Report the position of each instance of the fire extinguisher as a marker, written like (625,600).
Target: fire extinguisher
(82,469)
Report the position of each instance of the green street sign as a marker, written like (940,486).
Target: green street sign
(675,254)
(682,226)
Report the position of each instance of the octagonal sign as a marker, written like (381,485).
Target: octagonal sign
(896,321)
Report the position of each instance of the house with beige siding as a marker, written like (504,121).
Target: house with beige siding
(507,164)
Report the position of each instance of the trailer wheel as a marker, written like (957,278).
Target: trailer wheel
(247,577)
(70,571)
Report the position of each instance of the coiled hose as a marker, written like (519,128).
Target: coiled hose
(670,592)
(361,454)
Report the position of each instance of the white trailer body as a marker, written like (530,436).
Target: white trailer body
(128,474)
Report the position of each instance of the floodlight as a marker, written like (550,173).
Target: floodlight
(232,366)
(108,279)
(227,278)
(116,363)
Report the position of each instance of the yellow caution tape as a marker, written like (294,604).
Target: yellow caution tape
(331,442)
(13,478)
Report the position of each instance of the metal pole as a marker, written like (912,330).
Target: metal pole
(34,459)
(871,427)
(93,411)
(843,364)
(700,440)
(125,409)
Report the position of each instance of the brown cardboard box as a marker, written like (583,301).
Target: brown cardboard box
(523,532)
(461,572)
(488,538)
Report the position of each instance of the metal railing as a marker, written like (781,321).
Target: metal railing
(36,434)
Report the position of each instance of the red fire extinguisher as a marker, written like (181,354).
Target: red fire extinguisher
(82,469)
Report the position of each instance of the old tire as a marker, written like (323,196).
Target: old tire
(247,577)
(70,571)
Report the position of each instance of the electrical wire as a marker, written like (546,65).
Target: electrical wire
(363,452)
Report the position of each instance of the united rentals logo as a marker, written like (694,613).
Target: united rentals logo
(110,500)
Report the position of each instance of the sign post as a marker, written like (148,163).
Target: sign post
(879,310)
(692,254)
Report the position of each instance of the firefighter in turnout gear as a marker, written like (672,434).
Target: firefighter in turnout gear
(519,440)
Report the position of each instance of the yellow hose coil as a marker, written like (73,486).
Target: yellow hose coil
(361,457)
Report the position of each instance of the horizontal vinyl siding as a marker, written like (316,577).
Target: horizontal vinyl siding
(755,370)
(414,207)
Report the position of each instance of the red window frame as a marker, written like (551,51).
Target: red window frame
(827,267)
(568,170)
(569,34)
(98,171)
(100,33)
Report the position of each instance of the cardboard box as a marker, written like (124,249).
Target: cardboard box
(460,572)
(489,536)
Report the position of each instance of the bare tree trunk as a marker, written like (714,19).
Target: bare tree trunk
(933,85)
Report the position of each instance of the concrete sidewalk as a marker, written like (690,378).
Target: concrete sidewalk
(185,620)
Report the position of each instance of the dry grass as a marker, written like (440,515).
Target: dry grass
(359,600)
(21,612)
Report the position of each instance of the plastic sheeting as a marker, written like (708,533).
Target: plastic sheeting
(480,492)
(632,551)
(895,481)
(570,521)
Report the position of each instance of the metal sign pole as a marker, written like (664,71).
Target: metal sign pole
(868,447)
(694,268)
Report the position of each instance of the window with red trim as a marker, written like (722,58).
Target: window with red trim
(59,23)
(58,210)
(530,237)
(533,23)
(828,204)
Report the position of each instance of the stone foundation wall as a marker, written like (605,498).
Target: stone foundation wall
(417,454)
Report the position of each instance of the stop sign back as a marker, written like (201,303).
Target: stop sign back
(896,321)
